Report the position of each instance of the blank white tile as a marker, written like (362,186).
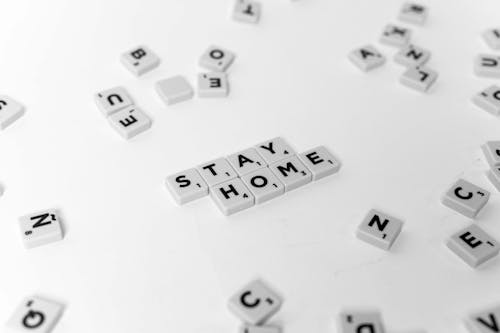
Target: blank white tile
(174,90)
(491,151)
(415,13)
(492,38)
(217,59)
(361,322)
(216,171)
(274,150)
(260,329)
(419,78)
(10,111)
(485,321)
(379,229)
(291,172)
(130,122)
(246,161)
(264,185)
(232,196)
(465,198)
(412,56)
(473,245)
(487,65)
(395,35)
(214,84)
(488,100)
(367,58)
(40,228)
(186,186)
(113,100)
(35,315)
(247,11)
(140,60)
(320,161)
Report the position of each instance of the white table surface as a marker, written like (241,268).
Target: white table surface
(133,261)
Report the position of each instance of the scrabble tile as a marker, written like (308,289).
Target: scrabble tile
(412,56)
(492,38)
(320,162)
(246,161)
(379,229)
(174,90)
(491,151)
(274,150)
(255,303)
(217,59)
(259,329)
(419,78)
(466,198)
(487,65)
(112,100)
(473,245)
(489,100)
(361,322)
(36,315)
(395,35)
(140,60)
(130,121)
(232,196)
(264,185)
(493,175)
(413,13)
(486,321)
(292,173)
(247,11)
(213,84)
(10,111)
(40,228)
(367,58)
(186,186)
(216,171)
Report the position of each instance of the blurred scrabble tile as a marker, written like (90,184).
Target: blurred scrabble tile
(217,59)
(130,121)
(395,35)
(246,161)
(263,184)
(232,196)
(255,303)
(174,90)
(259,329)
(489,100)
(113,100)
(487,65)
(412,56)
(213,84)
(465,198)
(492,38)
(413,13)
(35,314)
(216,171)
(473,245)
(491,151)
(379,229)
(274,150)
(361,322)
(186,186)
(419,78)
(366,58)
(140,60)
(485,321)
(320,162)
(10,111)
(40,228)
(493,174)
(291,172)
(247,11)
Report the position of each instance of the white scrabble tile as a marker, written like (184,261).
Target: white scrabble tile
(412,56)
(419,78)
(232,196)
(217,59)
(379,229)
(174,90)
(493,174)
(247,11)
(473,245)
(412,12)
(491,151)
(40,228)
(360,322)
(214,84)
(216,171)
(489,100)
(186,186)
(492,38)
(10,111)
(113,100)
(465,198)
(140,60)
(485,321)
(320,162)
(130,121)
(255,303)
(291,172)
(367,58)
(274,150)
(487,65)
(246,161)
(259,329)
(264,185)
(395,35)
(35,315)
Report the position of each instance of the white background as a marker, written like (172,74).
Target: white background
(133,261)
